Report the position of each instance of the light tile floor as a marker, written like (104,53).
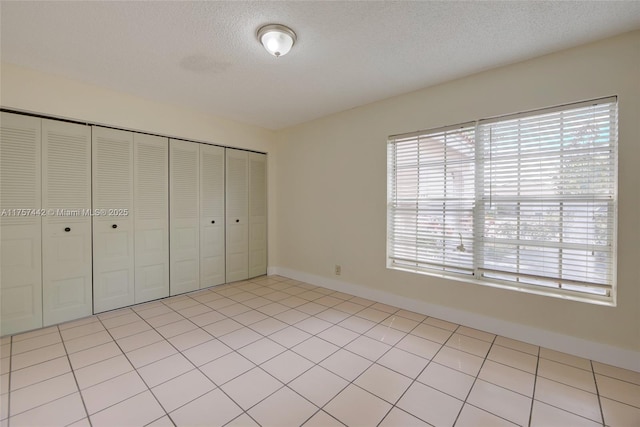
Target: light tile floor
(277,352)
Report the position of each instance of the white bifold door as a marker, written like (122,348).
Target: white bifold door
(237,210)
(20,223)
(151,216)
(257,214)
(184,216)
(212,253)
(66,229)
(113,221)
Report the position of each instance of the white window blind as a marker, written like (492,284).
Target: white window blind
(431,198)
(526,200)
(547,197)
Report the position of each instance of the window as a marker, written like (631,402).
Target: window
(525,201)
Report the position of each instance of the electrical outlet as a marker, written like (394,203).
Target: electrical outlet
(338,270)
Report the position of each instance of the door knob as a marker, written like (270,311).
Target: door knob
(213,222)
(114,226)
(67,229)
(237,220)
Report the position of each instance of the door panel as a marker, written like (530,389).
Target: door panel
(113,239)
(20,231)
(151,176)
(257,214)
(66,235)
(212,256)
(237,205)
(184,216)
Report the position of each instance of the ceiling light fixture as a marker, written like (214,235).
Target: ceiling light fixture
(277,39)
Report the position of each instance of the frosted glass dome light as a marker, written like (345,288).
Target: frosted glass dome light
(277,39)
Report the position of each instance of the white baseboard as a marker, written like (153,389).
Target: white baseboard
(604,353)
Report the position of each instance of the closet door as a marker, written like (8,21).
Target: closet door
(20,224)
(212,266)
(66,235)
(257,214)
(184,218)
(113,255)
(237,210)
(151,201)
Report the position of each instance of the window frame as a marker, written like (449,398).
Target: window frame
(478,224)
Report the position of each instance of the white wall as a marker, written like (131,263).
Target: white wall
(331,203)
(31,91)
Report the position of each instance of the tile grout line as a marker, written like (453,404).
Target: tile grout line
(535,383)
(595,381)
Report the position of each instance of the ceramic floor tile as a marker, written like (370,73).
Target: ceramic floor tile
(176,328)
(470,416)
(183,389)
(403,362)
(315,349)
(311,295)
(207,318)
(383,382)
(400,323)
(165,319)
(223,327)
(322,419)
(431,333)
(268,326)
(40,393)
(368,348)
(517,345)
(568,398)
(468,344)
(35,343)
(195,310)
(566,374)
(328,301)
(242,420)
(385,334)
(621,391)
(154,312)
(434,321)
(332,315)
(39,355)
(273,309)
(307,385)
(113,391)
(357,324)
(289,336)
(507,377)
(102,371)
(136,411)
(190,339)
(82,423)
(240,338)
(136,341)
(618,414)
(291,317)
(410,315)
(617,373)
(251,387)
(397,417)
(355,406)
(165,369)
(372,314)
(129,329)
(94,355)
(79,322)
(418,346)
(151,353)
(515,359)
(87,341)
(474,333)
(4,407)
(226,368)
(501,402)
(62,412)
(459,360)
(250,317)
(338,335)
(346,364)
(430,405)
(40,372)
(283,408)
(257,302)
(181,303)
(447,380)
(286,366)
(219,303)
(4,383)
(206,352)
(35,333)
(125,319)
(567,359)
(311,308)
(349,307)
(313,325)
(544,415)
(262,350)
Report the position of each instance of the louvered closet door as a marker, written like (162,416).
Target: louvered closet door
(151,192)
(257,214)
(212,266)
(237,210)
(20,232)
(66,235)
(184,218)
(113,253)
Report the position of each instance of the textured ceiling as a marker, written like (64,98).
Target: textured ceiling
(205,55)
